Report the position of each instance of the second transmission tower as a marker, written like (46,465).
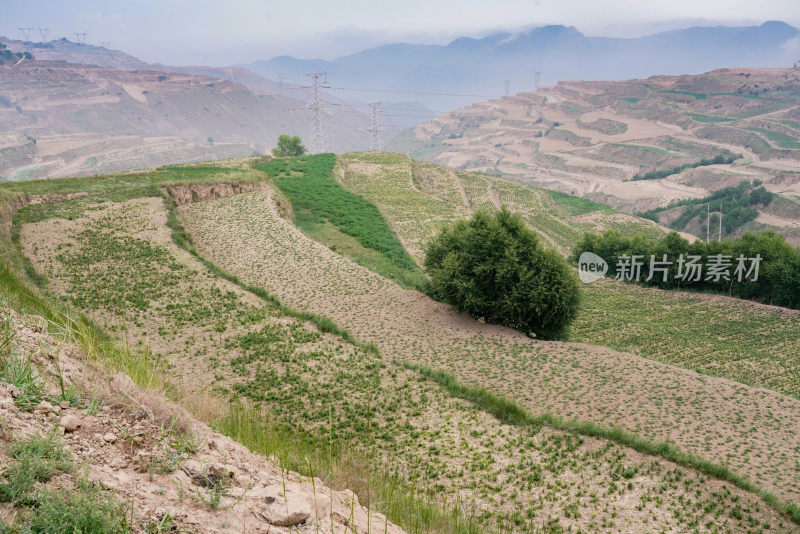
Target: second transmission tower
(317,107)
(377,126)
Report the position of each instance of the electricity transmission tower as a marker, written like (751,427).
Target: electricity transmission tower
(280,83)
(377,126)
(26,33)
(317,106)
(43,33)
(508,87)
(537,75)
(80,37)
(106,44)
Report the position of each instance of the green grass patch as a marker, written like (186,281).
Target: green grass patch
(719,159)
(708,118)
(317,198)
(645,148)
(698,96)
(778,138)
(576,205)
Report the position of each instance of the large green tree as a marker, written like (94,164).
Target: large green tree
(496,269)
(288,146)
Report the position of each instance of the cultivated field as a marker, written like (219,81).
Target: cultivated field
(117,262)
(751,430)
(419,198)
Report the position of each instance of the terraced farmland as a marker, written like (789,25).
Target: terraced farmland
(751,430)
(117,262)
(418,198)
(747,342)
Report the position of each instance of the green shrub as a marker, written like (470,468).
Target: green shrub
(495,268)
(288,146)
(36,459)
(86,511)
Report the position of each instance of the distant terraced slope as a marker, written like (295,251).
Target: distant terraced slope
(419,198)
(589,138)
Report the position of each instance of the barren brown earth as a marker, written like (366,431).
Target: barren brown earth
(69,119)
(752,430)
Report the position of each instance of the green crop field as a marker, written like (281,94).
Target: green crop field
(749,343)
(318,199)
(582,382)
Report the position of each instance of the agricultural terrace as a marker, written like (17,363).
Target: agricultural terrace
(348,223)
(751,430)
(715,335)
(418,198)
(117,263)
(753,344)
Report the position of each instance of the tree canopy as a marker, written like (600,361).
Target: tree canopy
(495,268)
(778,276)
(288,146)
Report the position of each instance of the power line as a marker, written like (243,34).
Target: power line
(317,106)
(412,92)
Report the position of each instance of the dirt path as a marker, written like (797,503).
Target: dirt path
(462,191)
(753,430)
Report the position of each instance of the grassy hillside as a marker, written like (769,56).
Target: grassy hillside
(330,214)
(685,332)
(418,198)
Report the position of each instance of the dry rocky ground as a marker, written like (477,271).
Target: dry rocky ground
(159,464)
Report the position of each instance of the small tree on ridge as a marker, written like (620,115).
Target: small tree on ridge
(288,146)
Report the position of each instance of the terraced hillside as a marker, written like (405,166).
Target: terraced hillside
(112,255)
(418,198)
(754,344)
(591,138)
(752,427)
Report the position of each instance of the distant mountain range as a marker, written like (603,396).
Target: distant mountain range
(78,109)
(479,68)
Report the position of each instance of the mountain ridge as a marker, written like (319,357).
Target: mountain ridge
(469,65)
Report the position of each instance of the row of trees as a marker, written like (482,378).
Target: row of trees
(726,157)
(7,56)
(739,205)
(778,270)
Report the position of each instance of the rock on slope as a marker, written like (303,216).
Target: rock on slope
(122,442)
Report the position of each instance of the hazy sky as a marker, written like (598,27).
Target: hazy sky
(193,32)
